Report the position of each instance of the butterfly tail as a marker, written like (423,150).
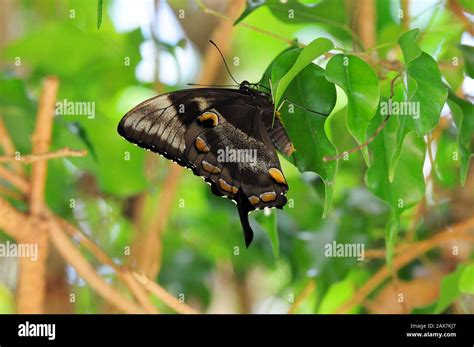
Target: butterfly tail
(244,208)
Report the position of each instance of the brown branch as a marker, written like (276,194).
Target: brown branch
(233,17)
(167,298)
(72,256)
(366,16)
(457,10)
(31,287)
(129,281)
(307,291)
(17,181)
(381,253)
(12,221)
(9,147)
(405,258)
(32,158)
(405,7)
(163,295)
(41,140)
(11,194)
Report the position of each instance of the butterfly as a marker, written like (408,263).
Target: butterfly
(230,137)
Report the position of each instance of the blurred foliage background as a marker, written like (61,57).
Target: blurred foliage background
(144,215)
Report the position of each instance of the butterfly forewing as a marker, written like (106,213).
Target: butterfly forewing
(224,136)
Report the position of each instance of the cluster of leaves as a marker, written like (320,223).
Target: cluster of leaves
(395,165)
(329,200)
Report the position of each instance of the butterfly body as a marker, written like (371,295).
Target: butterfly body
(227,136)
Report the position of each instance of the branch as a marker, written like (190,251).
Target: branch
(32,158)
(307,291)
(12,221)
(9,147)
(104,259)
(31,289)
(163,295)
(72,255)
(212,12)
(366,17)
(411,253)
(41,139)
(454,6)
(17,181)
(167,298)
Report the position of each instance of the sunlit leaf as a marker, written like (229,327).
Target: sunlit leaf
(311,90)
(468,53)
(408,185)
(463,116)
(312,51)
(268,221)
(450,290)
(361,86)
(424,98)
(466,282)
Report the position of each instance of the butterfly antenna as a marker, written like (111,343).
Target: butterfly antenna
(225,63)
(212,85)
(302,107)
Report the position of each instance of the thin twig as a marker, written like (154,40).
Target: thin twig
(15,180)
(167,298)
(307,291)
(9,147)
(32,158)
(212,12)
(374,135)
(73,257)
(163,295)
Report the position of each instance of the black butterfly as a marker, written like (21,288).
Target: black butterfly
(197,128)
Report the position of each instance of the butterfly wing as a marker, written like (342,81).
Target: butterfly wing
(223,136)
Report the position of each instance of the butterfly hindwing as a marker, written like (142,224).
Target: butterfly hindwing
(224,136)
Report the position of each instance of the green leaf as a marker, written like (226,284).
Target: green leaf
(327,11)
(468,53)
(336,295)
(424,85)
(268,222)
(463,116)
(341,291)
(312,51)
(407,43)
(447,160)
(408,185)
(425,95)
(252,5)
(467,5)
(305,129)
(449,289)
(100,4)
(360,83)
(466,282)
